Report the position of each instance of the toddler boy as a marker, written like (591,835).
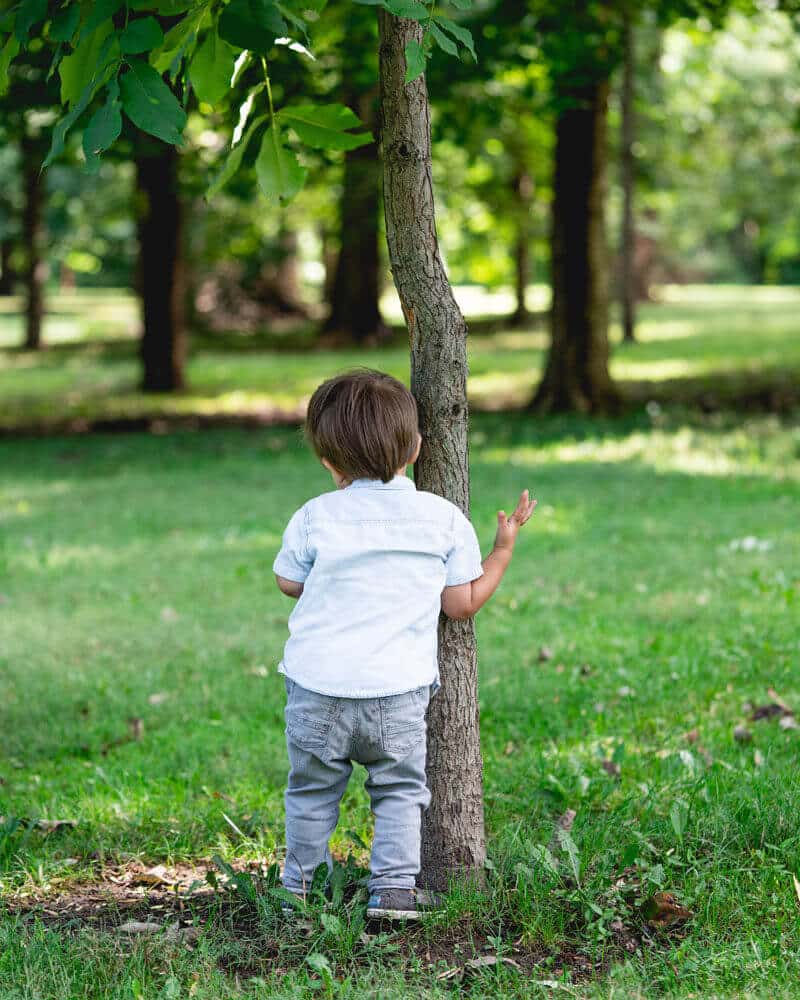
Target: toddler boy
(371,565)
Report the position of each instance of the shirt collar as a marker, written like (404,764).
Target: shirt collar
(397,483)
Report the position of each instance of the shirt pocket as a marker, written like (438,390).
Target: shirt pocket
(403,721)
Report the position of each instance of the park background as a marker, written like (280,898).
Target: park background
(639,666)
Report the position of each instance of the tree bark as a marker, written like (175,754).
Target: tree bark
(355,298)
(576,376)
(628,241)
(161,266)
(523,191)
(7,275)
(453,841)
(33,241)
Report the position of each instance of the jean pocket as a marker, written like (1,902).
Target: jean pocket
(403,721)
(309,718)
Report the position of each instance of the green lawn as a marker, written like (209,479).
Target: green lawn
(726,340)
(661,569)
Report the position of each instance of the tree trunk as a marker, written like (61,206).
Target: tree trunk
(453,841)
(33,242)
(576,376)
(7,275)
(523,191)
(628,242)
(161,270)
(355,298)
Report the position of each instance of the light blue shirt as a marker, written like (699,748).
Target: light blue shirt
(374,559)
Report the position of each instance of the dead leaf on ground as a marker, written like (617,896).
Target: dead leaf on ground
(488,962)
(742,734)
(563,825)
(692,736)
(545,654)
(510,747)
(758,758)
(138,927)
(157,698)
(789,722)
(662,910)
(136,727)
(612,768)
(771,711)
(158,875)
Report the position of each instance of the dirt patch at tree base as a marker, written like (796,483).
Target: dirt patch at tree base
(175,906)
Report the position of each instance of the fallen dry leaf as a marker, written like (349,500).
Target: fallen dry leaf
(611,767)
(758,758)
(510,747)
(545,654)
(158,875)
(136,728)
(692,736)
(138,927)
(663,910)
(488,961)
(563,824)
(789,722)
(158,698)
(742,734)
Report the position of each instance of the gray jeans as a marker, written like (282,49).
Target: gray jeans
(324,736)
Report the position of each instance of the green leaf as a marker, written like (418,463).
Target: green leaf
(370,3)
(7,55)
(460,33)
(679,817)
(100,11)
(324,126)
(63,25)
(415,61)
(177,41)
(412,9)
(279,174)
(63,126)
(569,847)
(78,68)
(442,40)
(462,4)
(212,68)
(234,160)
(150,104)
(142,35)
(103,129)
(29,13)
(252,24)
(168,8)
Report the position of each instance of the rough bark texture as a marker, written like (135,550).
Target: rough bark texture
(161,270)
(453,829)
(33,242)
(523,193)
(628,242)
(577,376)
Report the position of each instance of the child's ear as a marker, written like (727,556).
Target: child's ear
(416,451)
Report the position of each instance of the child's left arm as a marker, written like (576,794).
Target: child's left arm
(466,599)
(289,587)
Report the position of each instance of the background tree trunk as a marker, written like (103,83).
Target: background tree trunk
(453,841)
(523,192)
(33,241)
(278,285)
(576,376)
(8,277)
(628,241)
(161,270)
(355,294)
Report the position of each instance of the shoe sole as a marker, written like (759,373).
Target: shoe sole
(378,913)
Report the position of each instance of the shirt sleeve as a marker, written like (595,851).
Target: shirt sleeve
(463,562)
(294,562)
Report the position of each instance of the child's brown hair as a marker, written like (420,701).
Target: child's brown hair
(364,423)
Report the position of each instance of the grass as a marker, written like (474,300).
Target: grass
(661,570)
(140,633)
(726,343)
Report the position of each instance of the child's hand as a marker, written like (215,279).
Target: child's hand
(508,527)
